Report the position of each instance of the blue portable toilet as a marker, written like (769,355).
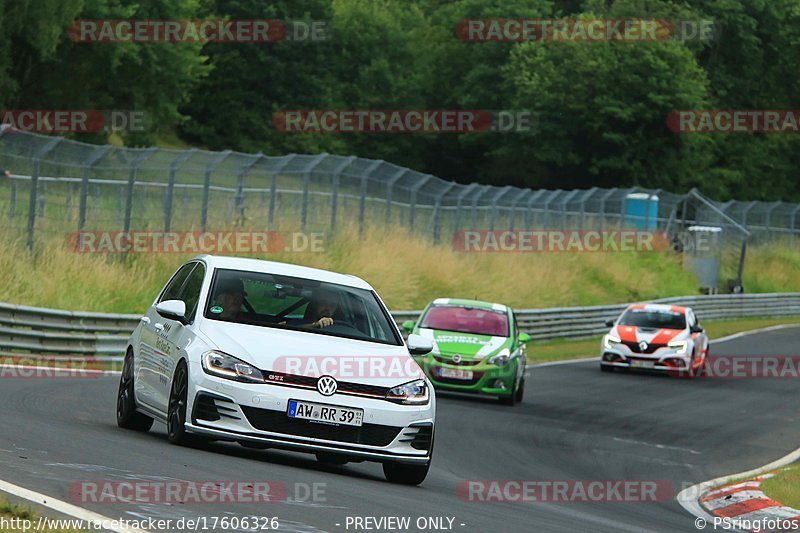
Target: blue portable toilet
(641,211)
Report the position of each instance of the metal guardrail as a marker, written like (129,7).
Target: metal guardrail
(35,331)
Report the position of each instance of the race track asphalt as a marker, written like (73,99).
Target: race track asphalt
(576,423)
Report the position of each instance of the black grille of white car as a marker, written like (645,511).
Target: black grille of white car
(278,422)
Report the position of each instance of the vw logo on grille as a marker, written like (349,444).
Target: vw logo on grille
(456,358)
(327,386)
(643,346)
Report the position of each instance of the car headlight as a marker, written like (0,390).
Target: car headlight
(681,346)
(226,366)
(610,340)
(412,393)
(501,359)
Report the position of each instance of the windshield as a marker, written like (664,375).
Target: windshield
(644,318)
(467,320)
(299,304)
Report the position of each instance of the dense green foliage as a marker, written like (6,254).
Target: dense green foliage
(601,107)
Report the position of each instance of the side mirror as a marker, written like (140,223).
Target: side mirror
(418,345)
(524,337)
(610,322)
(697,328)
(408,326)
(172,310)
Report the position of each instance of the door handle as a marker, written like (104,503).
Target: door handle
(145,320)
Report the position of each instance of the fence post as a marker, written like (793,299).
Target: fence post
(603,199)
(413,204)
(32,201)
(550,198)
(794,218)
(88,165)
(274,187)
(435,218)
(769,215)
(362,197)
(210,167)
(337,172)
(459,206)
(390,190)
(131,182)
(306,182)
(238,202)
(745,211)
(529,207)
(496,198)
(584,199)
(475,199)
(168,198)
(524,193)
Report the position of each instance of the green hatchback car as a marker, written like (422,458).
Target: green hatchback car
(477,348)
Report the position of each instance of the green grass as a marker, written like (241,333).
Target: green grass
(11,511)
(785,486)
(559,350)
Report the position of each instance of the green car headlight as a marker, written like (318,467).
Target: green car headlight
(501,358)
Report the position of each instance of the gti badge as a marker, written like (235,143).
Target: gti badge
(327,386)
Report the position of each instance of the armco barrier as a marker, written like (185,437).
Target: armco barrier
(39,331)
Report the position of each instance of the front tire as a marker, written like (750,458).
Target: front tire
(127,415)
(511,399)
(520,391)
(405,474)
(176,410)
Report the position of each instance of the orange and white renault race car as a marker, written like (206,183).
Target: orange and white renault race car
(656,337)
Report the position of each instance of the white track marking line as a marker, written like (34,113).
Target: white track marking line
(753,332)
(66,508)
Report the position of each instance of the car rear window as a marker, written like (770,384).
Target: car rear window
(467,320)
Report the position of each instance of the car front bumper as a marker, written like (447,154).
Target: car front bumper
(257,413)
(491,380)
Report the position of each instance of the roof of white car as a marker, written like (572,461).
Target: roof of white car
(661,307)
(283,269)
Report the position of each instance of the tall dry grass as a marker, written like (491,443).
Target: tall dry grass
(406,271)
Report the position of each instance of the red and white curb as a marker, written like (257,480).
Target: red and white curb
(694,498)
(746,503)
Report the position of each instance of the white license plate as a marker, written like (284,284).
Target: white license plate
(454,373)
(330,414)
(635,363)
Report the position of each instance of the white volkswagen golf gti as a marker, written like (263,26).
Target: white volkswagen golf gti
(276,355)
